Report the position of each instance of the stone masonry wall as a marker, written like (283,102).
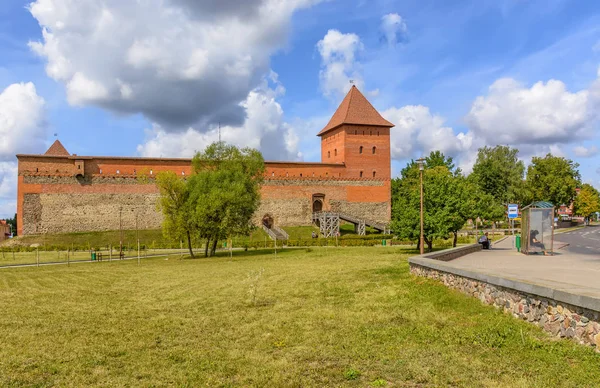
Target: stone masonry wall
(373,211)
(67,213)
(557,318)
(64,204)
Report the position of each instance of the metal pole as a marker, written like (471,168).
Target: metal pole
(422,248)
(120,231)
(137,235)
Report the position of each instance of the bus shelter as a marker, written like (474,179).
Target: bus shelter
(537,228)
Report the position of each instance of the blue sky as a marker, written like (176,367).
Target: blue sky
(112,78)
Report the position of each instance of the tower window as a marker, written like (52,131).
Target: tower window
(360,150)
(326,174)
(363,132)
(329,154)
(373,174)
(377,133)
(300,175)
(374,150)
(370,133)
(37,170)
(79,166)
(361,174)
(335,152)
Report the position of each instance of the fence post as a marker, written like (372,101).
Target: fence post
(37,256)
(68,259)
(138,252)
(110,254)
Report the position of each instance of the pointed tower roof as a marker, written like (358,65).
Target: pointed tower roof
(57,149)
(355,109)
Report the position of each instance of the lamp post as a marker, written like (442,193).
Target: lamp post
(421,162)
(120,232)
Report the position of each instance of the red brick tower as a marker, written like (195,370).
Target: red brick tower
(359,137)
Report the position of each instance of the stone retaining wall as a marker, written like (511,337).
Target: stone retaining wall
(557,318)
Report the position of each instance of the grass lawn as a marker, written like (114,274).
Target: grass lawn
(306,318)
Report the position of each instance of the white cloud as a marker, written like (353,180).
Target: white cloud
(264,128)
(8,189)
(393,26)
(417,132)
(585,152)
(22,130)
(22,124)
(180,63)
(544,114)
(339,65)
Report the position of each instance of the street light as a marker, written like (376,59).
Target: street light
(120,232)
(421,163)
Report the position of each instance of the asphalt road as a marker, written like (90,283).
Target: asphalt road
(584,241)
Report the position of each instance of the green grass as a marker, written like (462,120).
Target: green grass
(17,258)
(307,318)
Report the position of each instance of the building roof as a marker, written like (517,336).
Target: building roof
(355,109)
(57,149)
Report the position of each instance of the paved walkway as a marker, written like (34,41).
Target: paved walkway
(565,271)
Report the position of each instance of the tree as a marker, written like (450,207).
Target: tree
(225,191)
(587,201)
(13,224)
(553,179)
(176,208)
(499,173)
(449,200)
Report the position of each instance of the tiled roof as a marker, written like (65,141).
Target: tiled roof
(355,109)
(57,149)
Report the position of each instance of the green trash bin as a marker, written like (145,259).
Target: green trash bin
(518,242)
(383,242)
(93,256)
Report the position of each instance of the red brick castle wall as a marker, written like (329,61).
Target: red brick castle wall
(59,192)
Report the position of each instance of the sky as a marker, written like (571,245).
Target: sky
(164,77)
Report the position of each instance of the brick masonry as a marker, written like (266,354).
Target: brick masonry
(62,204)
(560,319)
(58,192)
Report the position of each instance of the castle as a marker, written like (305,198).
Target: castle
(60,193)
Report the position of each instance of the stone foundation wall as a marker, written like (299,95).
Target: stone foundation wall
(66,204)
(557,318)
(68,213)
(373,211)
(286,212)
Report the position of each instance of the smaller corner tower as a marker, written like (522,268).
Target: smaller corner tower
(358,136)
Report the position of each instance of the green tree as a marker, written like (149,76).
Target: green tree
(13,224)
(449,200)
(225,191)
(553,179)
(178,222)
(587,201)
(499,173)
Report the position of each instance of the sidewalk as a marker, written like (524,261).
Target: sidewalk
(577,274)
